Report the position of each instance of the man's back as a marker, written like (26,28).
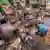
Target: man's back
(42,28)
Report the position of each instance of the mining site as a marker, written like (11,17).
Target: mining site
(24,24)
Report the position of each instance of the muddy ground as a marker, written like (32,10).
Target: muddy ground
(15,43)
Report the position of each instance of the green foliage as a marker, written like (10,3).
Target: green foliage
(4,2)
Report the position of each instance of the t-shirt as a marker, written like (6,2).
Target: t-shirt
(42,28)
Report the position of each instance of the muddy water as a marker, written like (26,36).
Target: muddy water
(47,22)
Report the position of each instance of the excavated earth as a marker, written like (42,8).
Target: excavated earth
(15,43)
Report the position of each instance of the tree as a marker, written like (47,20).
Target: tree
(4,2)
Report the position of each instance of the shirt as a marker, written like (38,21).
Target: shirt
(42,28)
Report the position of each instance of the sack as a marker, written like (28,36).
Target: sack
(7,10)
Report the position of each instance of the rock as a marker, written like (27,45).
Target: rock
(2,45)
(2,42)
(7,31)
